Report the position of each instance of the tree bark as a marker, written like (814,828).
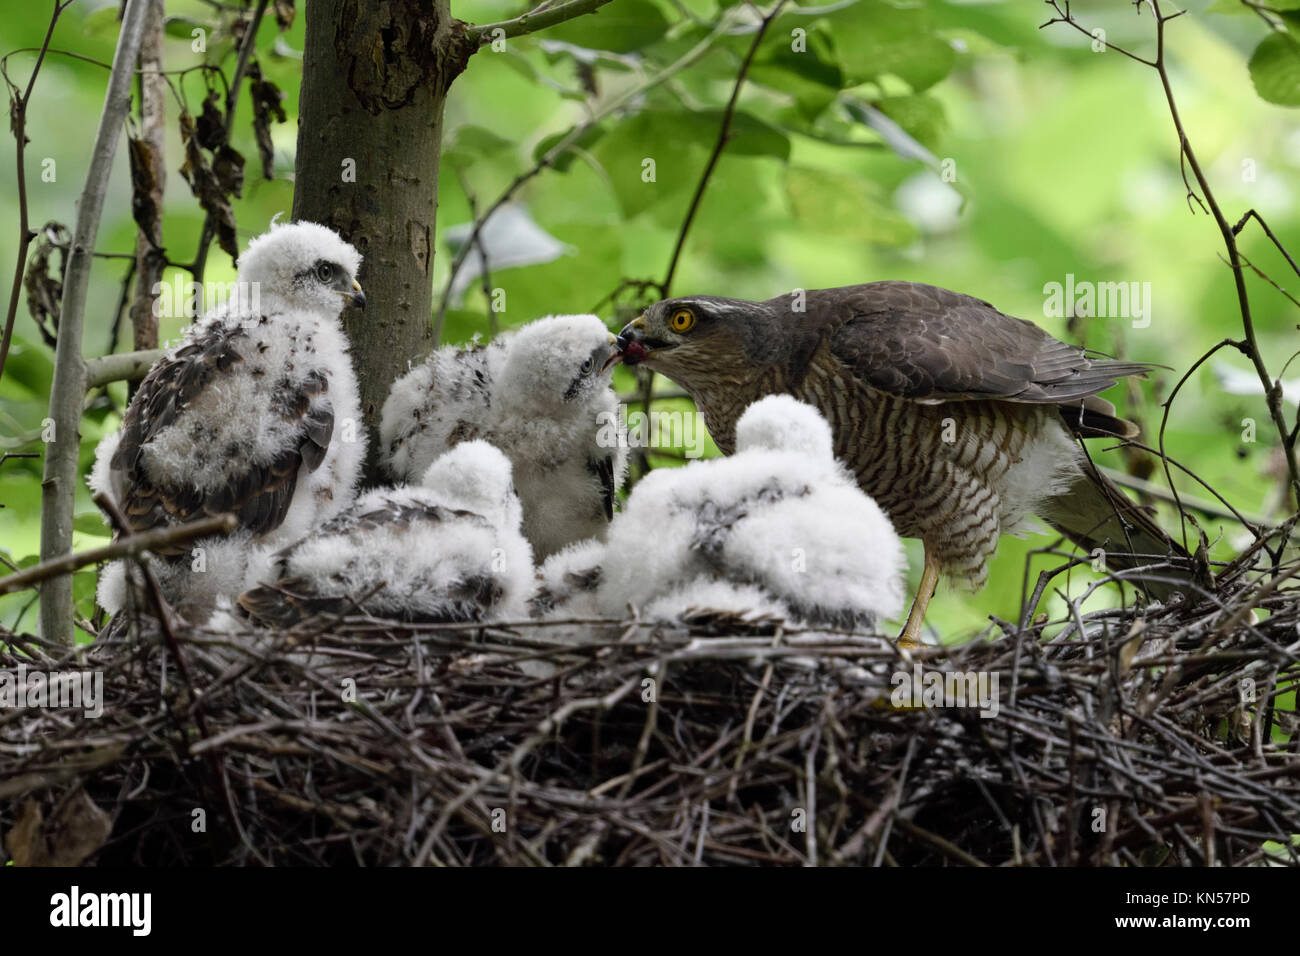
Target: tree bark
(375,80)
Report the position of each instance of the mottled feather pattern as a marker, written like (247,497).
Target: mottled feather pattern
(241,418)
(540,393)
(449,549)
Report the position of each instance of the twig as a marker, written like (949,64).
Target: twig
(125,547)
(120,366)
(18,122)
(149,258)
(539,18)
(1226,230)
(724,133)
(232,100)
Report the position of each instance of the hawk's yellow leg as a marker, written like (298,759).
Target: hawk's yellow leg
(911,636)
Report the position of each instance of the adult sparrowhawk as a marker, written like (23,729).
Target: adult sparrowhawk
(957,419)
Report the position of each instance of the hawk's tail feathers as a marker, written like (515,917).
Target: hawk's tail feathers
(1095,514)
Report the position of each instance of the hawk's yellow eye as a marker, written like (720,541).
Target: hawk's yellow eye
(683,320)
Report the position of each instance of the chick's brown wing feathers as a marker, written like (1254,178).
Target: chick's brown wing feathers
(260,493)
(932,345)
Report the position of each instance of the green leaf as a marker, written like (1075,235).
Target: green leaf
(921,116)
(809,73)
(30,366)
(91,523)
(1227,6)
(622,27)
(874,38)
(1275,69)
(747,136)
(565,160)
(847,206)
(472,139)
(184,27)
(677,141)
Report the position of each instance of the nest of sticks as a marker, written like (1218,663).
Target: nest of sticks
(1129,736)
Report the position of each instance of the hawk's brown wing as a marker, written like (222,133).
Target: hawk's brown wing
(931,345)
(259,494)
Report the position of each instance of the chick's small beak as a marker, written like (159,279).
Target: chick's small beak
(357,297)
(615,352)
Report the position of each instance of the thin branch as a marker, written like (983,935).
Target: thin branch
(1226,229)
(724,133)
(232,99)
(122,548)
(18,123)
(536,19)
(121,367)
(1251,214)
(148,192)
(68,389)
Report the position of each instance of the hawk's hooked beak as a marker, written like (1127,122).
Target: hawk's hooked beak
(632,342)
(357,297)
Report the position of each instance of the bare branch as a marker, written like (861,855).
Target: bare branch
(1250,347)
(232,99)
(68,389)
(122,548)
(539,18)
(122,367)
(724,133)
(18,122)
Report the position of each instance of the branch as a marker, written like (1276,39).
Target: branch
(1188,157)
(148,192)
(232,98)
(723,135)
(122,548)
(539,18)
(68,389)
(122,367)
(18,123)
(1251,214)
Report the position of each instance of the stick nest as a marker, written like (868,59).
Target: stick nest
(1156,737)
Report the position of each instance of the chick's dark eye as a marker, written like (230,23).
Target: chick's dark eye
(588,365)
(324,272)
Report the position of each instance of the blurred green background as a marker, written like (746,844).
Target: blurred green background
(954,143)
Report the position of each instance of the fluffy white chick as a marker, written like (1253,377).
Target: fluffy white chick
(542,395)
(568,581)
(448,549)
(255,413)
(780,518)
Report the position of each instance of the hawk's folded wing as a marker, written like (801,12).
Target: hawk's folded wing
(932,345)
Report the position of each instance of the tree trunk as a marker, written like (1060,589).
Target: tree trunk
(375,79)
